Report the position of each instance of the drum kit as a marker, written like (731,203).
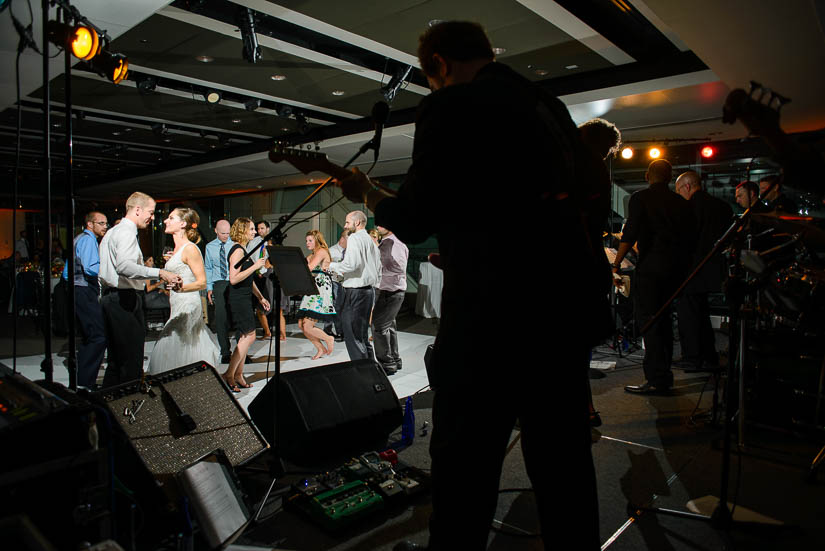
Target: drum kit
(786,265)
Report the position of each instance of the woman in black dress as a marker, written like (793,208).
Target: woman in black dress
(241,288)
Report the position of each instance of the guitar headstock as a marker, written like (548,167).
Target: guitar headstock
(304,160)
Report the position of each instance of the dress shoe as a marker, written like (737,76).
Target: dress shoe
(645,388)
(409,546)
(339,338)
(595,419)
(389,370)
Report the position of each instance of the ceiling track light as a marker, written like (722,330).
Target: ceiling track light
(390,89)
(251,104)
(212,96)
(246,23)
(147,84)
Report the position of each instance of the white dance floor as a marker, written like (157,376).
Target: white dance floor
(296,353)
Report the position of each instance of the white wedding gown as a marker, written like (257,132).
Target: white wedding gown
(185,338)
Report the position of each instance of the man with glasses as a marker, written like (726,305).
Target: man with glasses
(87,306)
(216,264)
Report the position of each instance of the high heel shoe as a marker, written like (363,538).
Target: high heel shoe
(242,383)
(232,386)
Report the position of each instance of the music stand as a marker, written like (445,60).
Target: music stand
(291,272)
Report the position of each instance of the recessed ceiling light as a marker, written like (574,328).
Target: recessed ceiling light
(541,72)
(338,92)
(116,133)
(278,77)
(167,140)
(236,121)
(285,129)
(499,51)
(144,41)
(571,67)
(205,58)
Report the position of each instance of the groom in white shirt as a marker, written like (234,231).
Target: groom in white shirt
(121,276)
(360,269)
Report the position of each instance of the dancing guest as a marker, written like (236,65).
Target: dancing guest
(391,290)
(261,276)
(337,253)
(185,338)
(217,284)
(242,288)
(360,269)
(121,272)
(315,308)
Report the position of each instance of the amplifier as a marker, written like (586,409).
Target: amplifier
(175,418)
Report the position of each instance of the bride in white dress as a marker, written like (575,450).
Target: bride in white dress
(185,338)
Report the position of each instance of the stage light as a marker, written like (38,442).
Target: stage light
(212,96)
(654,152)
(708,152)
(627,153)
(82,40)
(115,67)
(146,85)
(390,89)
(251,104)
(246,23)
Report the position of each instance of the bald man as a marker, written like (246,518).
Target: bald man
(660,223)
(712,217)
(361,272)
(216,263)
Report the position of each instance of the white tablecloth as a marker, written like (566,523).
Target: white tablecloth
(428,303)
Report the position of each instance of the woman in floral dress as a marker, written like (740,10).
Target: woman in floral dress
(318,308)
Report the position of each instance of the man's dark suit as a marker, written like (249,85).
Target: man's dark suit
(712,217)
(660,222)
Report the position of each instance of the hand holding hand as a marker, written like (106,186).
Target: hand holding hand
(173,281)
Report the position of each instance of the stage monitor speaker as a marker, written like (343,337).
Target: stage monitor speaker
(329,411)
(174,418)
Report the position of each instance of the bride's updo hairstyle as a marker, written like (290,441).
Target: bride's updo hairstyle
(190,216)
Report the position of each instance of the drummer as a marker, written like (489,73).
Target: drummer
(775,199)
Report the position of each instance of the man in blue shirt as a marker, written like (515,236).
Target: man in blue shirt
(216,263)
(87,305)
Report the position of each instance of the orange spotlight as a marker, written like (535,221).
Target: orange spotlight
(627,153)
(85,42)
(82,40)
(654,152)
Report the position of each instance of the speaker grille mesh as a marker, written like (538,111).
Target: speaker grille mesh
(198,390)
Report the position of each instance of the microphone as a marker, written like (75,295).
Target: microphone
(380,114)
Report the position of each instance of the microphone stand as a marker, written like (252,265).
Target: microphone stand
(277,237)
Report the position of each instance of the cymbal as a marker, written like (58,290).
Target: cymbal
(811,234)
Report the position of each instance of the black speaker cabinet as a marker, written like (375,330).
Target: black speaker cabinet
(329,410)
(153,416)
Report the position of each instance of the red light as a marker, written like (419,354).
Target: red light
(708,152)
